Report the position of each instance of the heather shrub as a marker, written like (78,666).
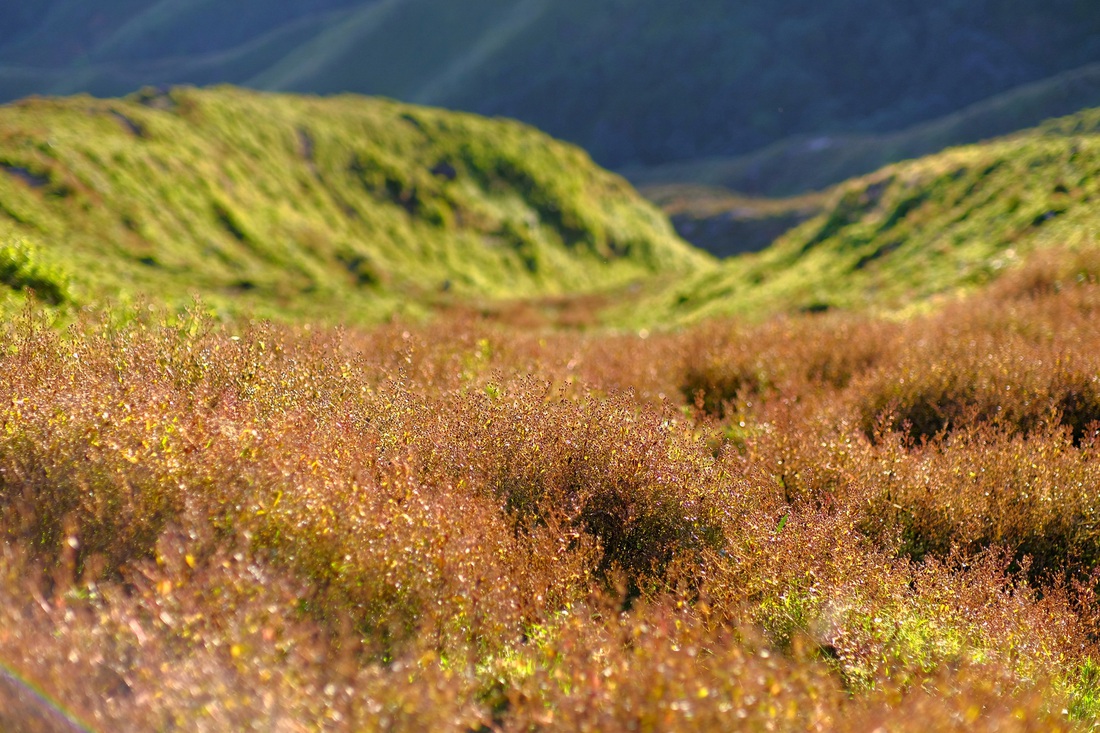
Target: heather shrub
(1015,368)
(404,561)
(983,487)
(903,622)
(660,668)
(667,666)
(209,644)
(726,370)
(970,697)
(614,471)
(88,458)
(457,526)
(729,363)
(1048,272)
(815,583)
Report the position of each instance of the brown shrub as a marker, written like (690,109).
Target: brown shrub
(1014,364)
(439,526)
(983,487)
(787,356)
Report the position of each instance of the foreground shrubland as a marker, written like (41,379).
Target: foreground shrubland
(814,523)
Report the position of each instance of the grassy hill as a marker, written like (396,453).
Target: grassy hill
(698,195)
(639,83)
(937,225)
(308,206)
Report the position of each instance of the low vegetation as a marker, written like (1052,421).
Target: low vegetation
(860,508)
(813,522)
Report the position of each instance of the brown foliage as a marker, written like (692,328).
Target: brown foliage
(819,523)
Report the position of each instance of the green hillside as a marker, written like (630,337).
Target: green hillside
(771,185)
(911,231)
(345,207)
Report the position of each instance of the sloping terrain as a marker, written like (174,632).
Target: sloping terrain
(814,162)
(55,34)
(698,195)
(639,83)
(345,207)
(913,230)
(866,519)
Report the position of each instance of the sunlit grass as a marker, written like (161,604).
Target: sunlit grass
(298,207)
(934,227)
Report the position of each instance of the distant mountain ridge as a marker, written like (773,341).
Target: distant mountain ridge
(697,194)
(798,165)
(640,83)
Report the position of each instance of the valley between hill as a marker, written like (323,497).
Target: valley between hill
(934,227)
(460,437)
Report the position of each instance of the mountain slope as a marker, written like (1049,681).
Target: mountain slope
(914,230)
(62,33)
(649,81)
(637,83)
(698,197)
(337,208)
(812,163)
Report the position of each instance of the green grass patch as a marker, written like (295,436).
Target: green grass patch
(933,227)
(344,208)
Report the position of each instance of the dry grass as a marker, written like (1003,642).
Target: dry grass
(819,523)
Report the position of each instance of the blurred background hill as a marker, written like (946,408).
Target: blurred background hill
(637,83)
(763,99)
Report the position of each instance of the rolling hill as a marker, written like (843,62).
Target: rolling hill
(341,209)
(772,184)
(934,226)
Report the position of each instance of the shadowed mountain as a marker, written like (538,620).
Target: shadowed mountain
(637,83)
(811,163)
(698,195)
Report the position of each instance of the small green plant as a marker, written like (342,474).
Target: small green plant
(22,267)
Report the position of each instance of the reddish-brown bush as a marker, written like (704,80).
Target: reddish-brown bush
(464,526)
